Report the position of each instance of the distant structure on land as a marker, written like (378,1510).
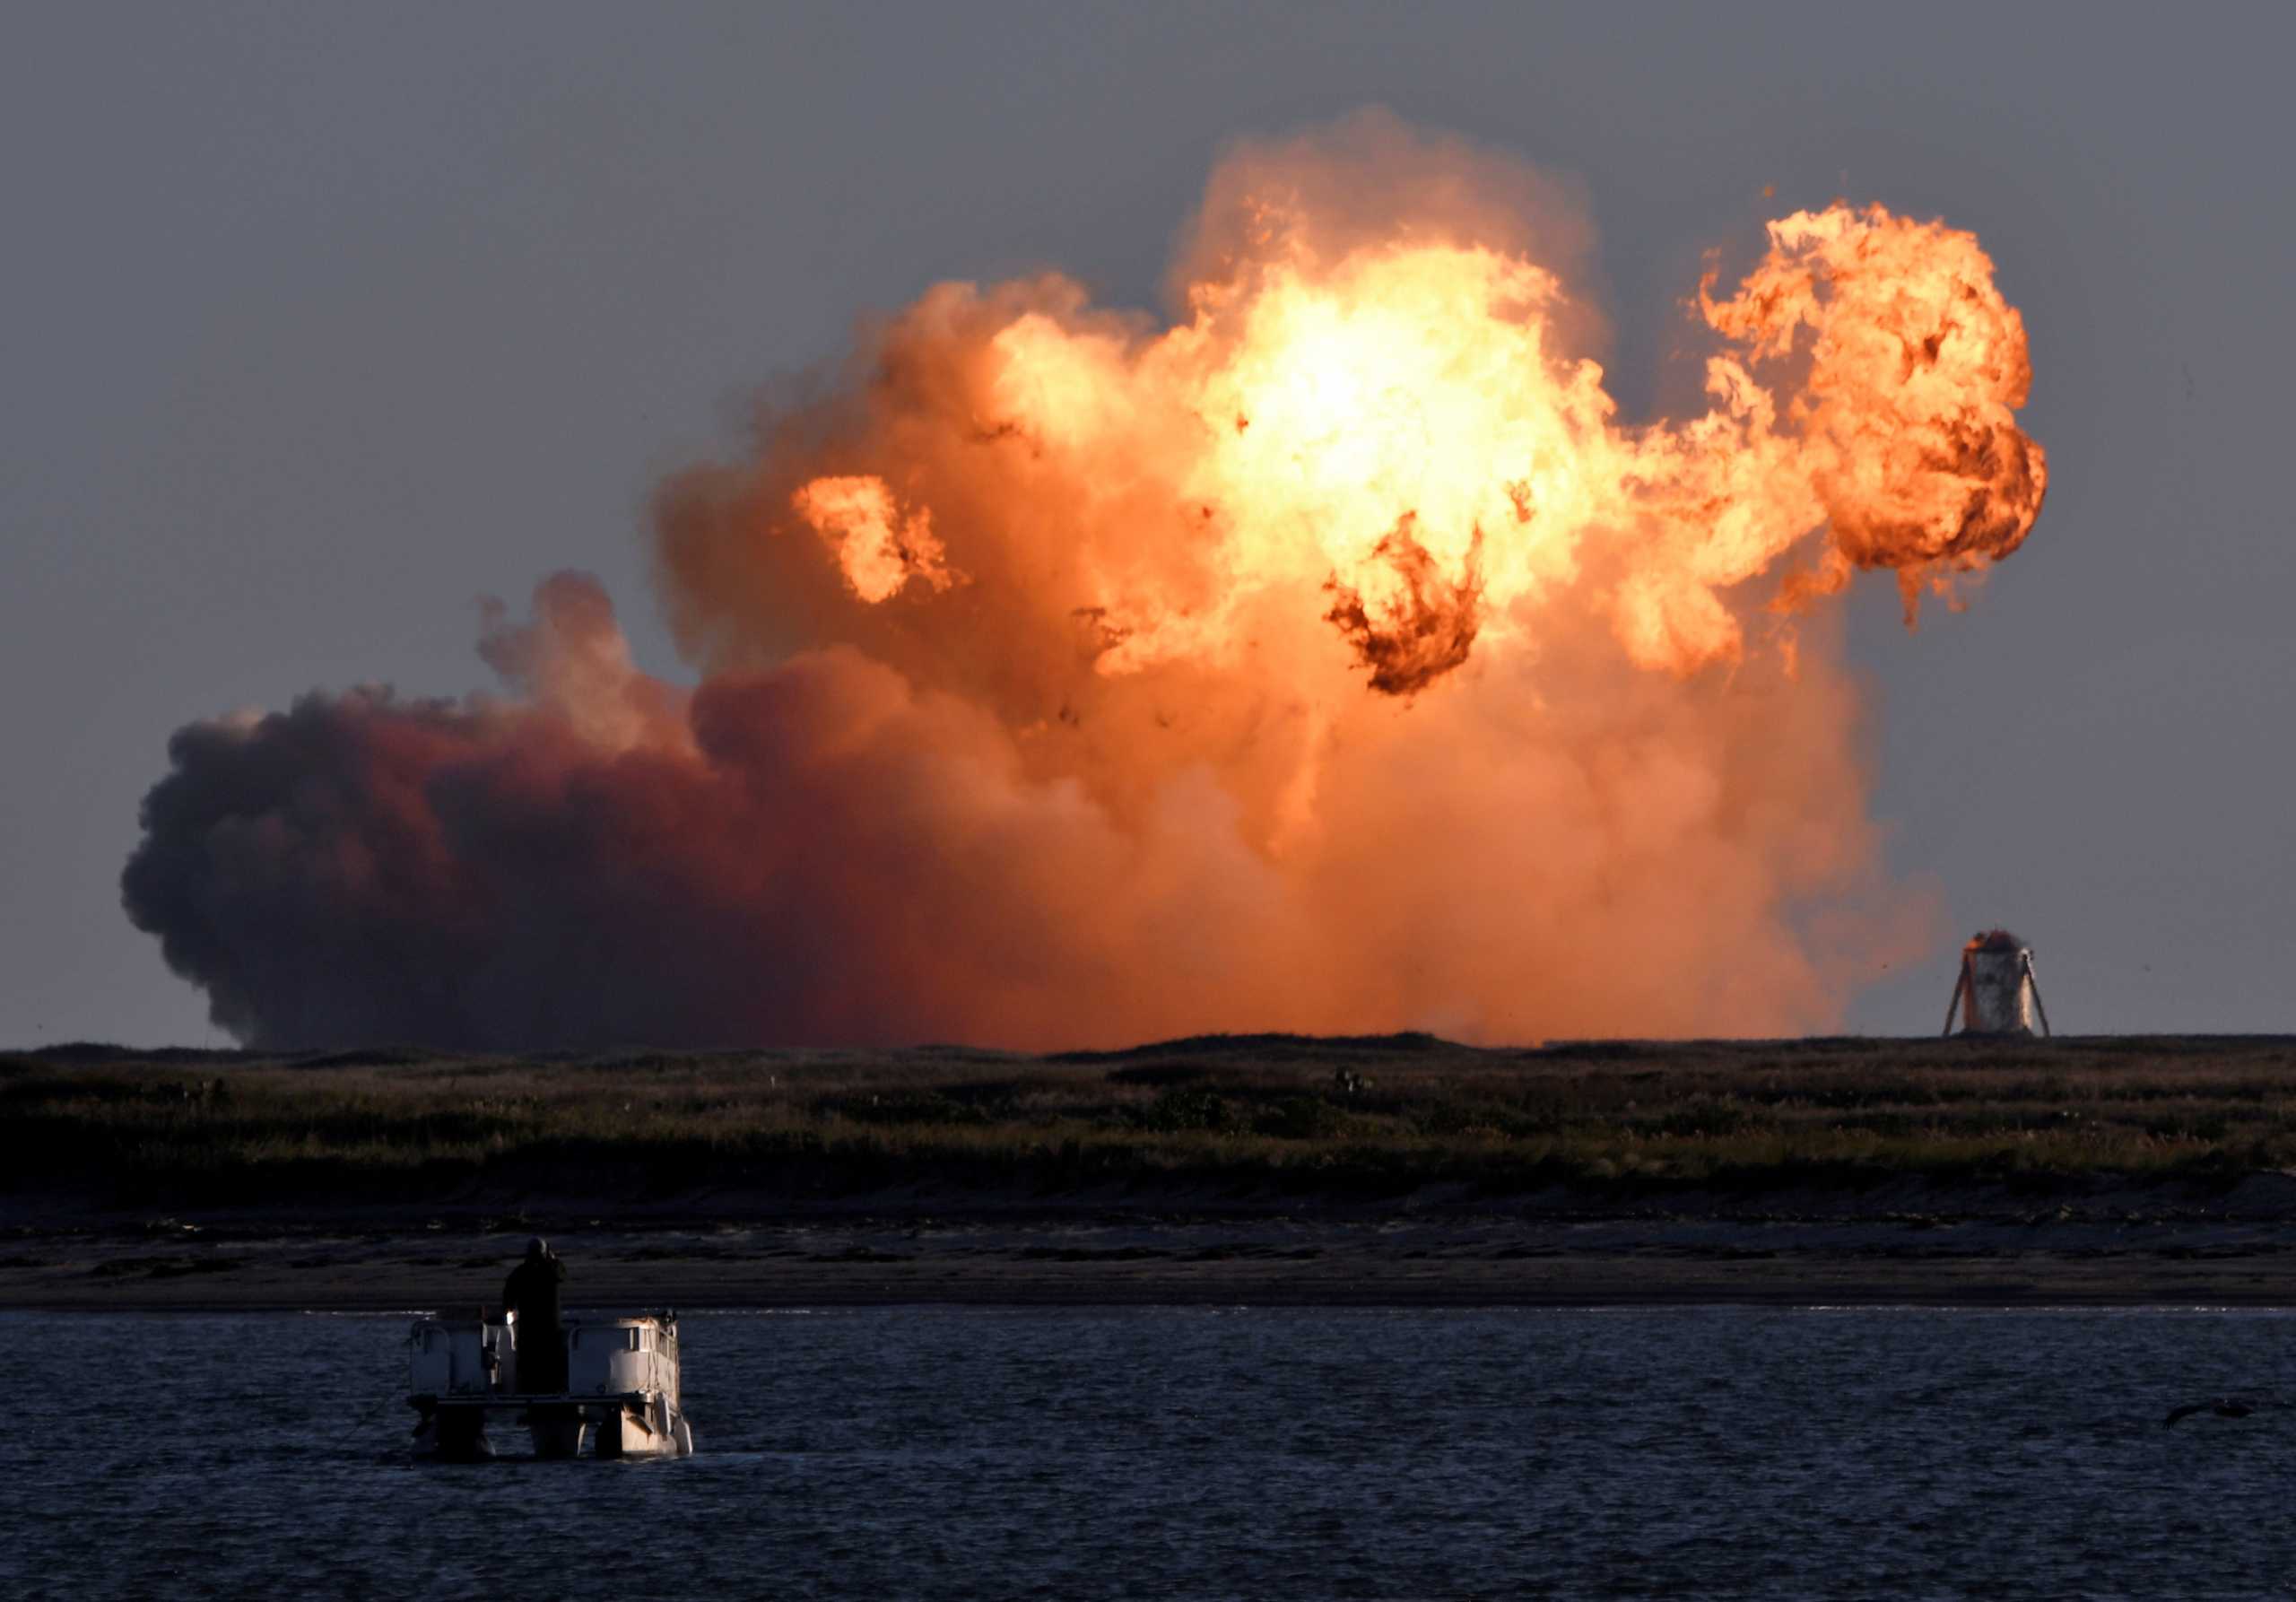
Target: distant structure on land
(1996,993)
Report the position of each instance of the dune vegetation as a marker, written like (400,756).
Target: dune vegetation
(1185,1123)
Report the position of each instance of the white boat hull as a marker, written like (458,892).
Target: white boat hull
(620,1401)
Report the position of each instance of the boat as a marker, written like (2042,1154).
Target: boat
(621,1399)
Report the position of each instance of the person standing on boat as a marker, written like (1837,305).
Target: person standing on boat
(532,1293)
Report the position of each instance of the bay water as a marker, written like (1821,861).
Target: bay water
(1161,1452)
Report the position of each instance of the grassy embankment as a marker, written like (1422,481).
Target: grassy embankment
(1246,1117)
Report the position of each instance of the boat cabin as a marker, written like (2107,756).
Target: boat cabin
(620,1401)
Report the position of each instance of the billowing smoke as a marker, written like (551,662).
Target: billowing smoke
(1328,658)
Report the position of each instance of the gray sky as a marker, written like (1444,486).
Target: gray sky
(321,321)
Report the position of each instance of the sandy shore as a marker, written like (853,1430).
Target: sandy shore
(2059,1257)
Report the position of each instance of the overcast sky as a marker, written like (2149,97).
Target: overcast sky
(321,322)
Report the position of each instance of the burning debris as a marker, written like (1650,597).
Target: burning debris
(1033,706)
(1424,627)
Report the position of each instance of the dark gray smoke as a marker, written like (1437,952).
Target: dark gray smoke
(604,862)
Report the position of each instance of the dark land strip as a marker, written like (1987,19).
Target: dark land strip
(1400,1171)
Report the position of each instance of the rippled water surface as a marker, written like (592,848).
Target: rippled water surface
(1155,1452)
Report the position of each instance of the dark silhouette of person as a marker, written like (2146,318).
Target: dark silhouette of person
(532,1293)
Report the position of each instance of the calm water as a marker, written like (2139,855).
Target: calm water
(1160,1452)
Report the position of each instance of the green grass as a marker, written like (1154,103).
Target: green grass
(1242,1116)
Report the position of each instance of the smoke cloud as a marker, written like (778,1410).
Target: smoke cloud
(1325,655)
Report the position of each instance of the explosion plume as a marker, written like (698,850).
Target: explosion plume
(1329,657)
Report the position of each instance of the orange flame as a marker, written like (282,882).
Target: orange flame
(878,550)
(1327,656)
(1916,368)
(1398,425)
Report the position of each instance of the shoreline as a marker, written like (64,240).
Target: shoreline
(1465,1261)
(1389,1171)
